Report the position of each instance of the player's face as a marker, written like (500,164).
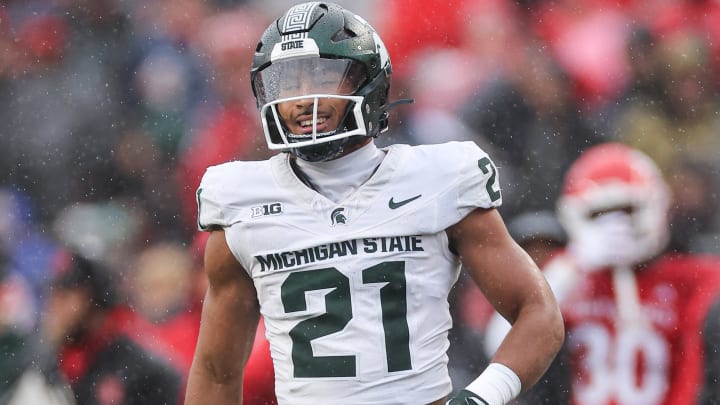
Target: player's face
(320,80)
(298,114)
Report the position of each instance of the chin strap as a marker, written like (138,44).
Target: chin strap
(383,121)
(395,103)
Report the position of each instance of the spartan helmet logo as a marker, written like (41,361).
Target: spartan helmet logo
(338,216)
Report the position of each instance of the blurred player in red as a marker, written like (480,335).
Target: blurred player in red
(643,323)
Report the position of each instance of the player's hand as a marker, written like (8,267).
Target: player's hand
(608,241)
(466,397)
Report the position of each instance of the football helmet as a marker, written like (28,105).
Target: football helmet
(314,53)
(613,177)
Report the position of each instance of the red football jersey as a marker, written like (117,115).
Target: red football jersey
(657,360)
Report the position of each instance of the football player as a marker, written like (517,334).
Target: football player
(642,323)
(349,251)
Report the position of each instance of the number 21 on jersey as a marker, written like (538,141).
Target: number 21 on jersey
(338,312)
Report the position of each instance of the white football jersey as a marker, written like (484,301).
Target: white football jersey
(353,294)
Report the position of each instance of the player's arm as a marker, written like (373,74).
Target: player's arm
(227,330)
(515,286)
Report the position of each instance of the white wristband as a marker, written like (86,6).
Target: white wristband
(497,384)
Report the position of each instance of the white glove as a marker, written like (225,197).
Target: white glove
(607,241)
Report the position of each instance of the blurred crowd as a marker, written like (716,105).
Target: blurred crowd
(112,110)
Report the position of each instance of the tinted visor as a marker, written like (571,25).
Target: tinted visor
(298,77)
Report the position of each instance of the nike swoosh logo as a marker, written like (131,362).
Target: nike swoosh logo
(395,205)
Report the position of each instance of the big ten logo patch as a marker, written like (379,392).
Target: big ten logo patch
(275,208)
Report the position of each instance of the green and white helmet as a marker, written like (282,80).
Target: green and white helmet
(319,50)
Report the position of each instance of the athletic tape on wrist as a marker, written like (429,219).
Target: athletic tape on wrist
(497,384)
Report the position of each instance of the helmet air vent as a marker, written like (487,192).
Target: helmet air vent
(343,34)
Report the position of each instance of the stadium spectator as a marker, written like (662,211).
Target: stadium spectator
(28,371)
(65,107)
(160,289)
(89,331)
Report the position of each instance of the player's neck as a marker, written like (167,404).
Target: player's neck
(338,178)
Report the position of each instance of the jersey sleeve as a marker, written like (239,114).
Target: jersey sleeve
(479,185)
(228,191)
(210,207)
(465,177)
